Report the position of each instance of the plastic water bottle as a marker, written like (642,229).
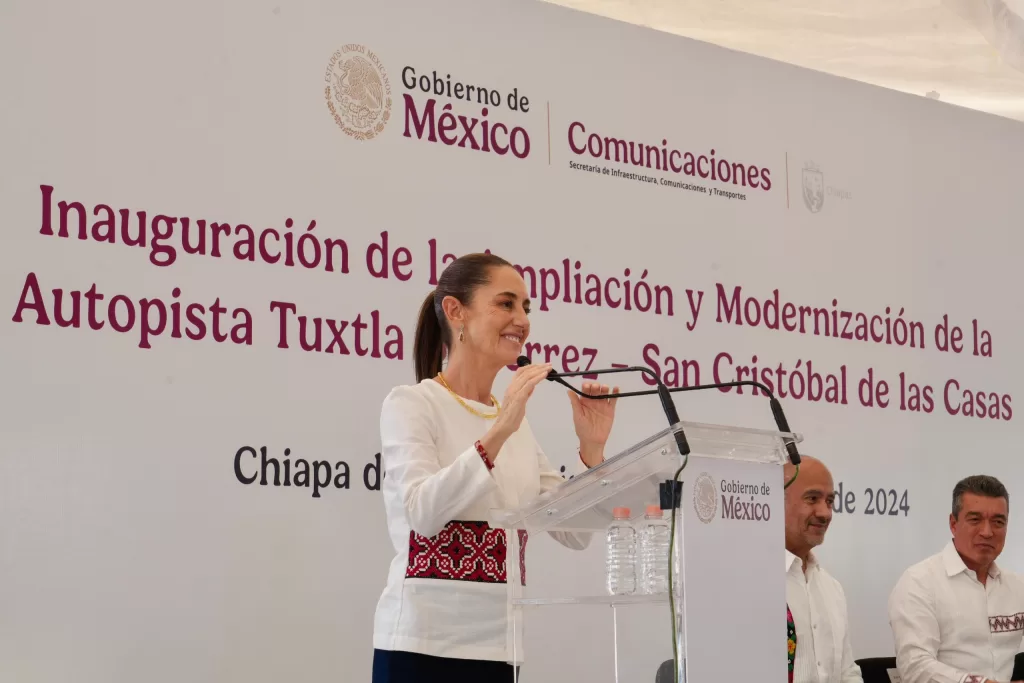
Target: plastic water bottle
(652,551)
(621,559)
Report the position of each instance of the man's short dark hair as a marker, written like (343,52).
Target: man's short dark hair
(979,485)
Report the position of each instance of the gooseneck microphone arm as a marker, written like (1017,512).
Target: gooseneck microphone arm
(667,404)
(776,406)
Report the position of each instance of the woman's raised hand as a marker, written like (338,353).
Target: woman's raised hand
(513,407)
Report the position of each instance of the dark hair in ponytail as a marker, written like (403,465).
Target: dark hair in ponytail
(460,279)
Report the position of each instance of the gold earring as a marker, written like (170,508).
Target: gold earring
(462,334)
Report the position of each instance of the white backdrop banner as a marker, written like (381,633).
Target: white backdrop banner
(220,218)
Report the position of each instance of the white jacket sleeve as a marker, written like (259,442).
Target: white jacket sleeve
(915,631)
(432,495)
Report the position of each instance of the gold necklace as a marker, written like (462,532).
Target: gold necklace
(468,407)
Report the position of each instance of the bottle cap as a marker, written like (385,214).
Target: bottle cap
(621,513)
(654,511)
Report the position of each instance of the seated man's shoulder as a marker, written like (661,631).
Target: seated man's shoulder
(919,578)
(928,566)
(1012,578)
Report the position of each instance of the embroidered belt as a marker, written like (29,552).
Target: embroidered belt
(464,551)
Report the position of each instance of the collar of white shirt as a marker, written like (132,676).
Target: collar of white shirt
(955,564)
(812,563)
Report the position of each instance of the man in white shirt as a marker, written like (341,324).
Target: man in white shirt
(957,617)
(819,638)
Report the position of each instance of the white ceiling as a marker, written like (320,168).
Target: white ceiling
(966,52)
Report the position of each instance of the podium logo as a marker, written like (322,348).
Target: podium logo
(358,92)
(705,498)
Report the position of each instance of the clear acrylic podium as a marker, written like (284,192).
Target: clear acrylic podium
(727,606)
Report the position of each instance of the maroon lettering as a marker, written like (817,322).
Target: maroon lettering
(468,132)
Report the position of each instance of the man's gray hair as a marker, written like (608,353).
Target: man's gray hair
(979,485)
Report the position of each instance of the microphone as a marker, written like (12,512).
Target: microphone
(666,400)
(553,376)
(667,404)
(783,425)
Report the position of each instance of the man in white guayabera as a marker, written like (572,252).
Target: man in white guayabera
(957,617)
(816,617)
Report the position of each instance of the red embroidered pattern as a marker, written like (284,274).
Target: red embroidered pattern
(464,551)
(974,678)
(483,454)
(1006,624)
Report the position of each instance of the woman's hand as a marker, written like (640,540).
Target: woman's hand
(513,407)
(593,418)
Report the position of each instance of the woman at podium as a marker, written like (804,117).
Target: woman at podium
(451,453)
